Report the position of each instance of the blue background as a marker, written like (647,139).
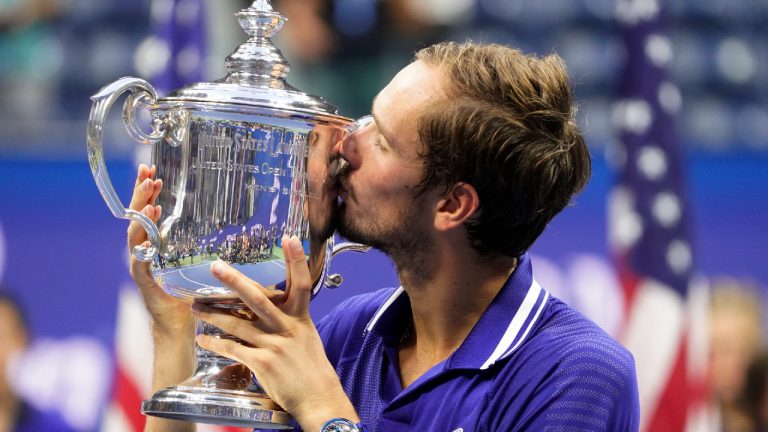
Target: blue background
(66,254)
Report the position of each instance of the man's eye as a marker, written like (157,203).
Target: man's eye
(378,142)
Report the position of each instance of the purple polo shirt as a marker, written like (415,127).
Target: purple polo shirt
(531,363)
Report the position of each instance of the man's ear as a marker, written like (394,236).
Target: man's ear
(456,206)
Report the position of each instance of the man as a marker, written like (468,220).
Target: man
(471,151)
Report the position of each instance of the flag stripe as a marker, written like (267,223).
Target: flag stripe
(128,399)
(671,402)
(654,334)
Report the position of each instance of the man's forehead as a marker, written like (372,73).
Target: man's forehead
(418,81)
(413,88)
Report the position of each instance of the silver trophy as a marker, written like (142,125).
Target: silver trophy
(244,160)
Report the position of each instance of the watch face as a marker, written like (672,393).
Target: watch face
(340,425)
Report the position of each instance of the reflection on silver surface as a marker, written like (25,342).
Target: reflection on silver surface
(244,160)
(246,186)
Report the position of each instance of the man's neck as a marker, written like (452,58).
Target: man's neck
(446,303)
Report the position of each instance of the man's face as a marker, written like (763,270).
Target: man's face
(378,191)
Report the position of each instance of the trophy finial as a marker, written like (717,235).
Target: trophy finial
(258,61)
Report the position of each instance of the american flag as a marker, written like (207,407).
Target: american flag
(176,53)
(650,230)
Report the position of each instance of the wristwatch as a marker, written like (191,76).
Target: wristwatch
(342,425)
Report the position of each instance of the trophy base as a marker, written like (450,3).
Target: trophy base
(220,407)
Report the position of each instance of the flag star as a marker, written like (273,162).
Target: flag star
(679,256)
(652,162)
(670,98)
(634,11)
(633,115)
(628,226)
(666,209)
(161,11)
(658,49)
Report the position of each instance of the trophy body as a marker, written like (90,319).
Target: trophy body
(235,184)
(244,161)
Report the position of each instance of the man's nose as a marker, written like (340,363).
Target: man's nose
(346,148)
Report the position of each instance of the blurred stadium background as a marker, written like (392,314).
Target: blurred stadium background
(63,254)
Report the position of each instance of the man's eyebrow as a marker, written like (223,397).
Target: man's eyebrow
(384,133)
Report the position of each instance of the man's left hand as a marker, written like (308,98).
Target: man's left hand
(281,344)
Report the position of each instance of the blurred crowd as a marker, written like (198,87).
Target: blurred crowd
(56,53)
(738,356)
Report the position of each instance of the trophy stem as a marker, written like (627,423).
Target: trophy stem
(220,391)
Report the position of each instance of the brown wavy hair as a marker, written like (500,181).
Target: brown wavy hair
(508,128)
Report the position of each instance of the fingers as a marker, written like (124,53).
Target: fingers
(299,280)
(145,192)
(158,186)
(146,189)
(144,173)
(261,345)
(250,292)
(225,347)
(255,359)
(247,330)
(136,233)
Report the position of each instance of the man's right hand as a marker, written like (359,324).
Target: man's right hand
(169,315)
(173,325)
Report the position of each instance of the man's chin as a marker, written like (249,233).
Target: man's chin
(345,227)
(354,234)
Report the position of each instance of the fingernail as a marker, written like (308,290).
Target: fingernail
(147,209)
(217,268)
(144,185)
(296,245)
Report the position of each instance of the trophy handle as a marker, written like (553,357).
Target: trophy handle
(142,93)
(330,280)
(335,280)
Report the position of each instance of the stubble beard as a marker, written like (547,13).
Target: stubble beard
(405,240)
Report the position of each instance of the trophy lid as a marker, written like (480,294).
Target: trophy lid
(255,82)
